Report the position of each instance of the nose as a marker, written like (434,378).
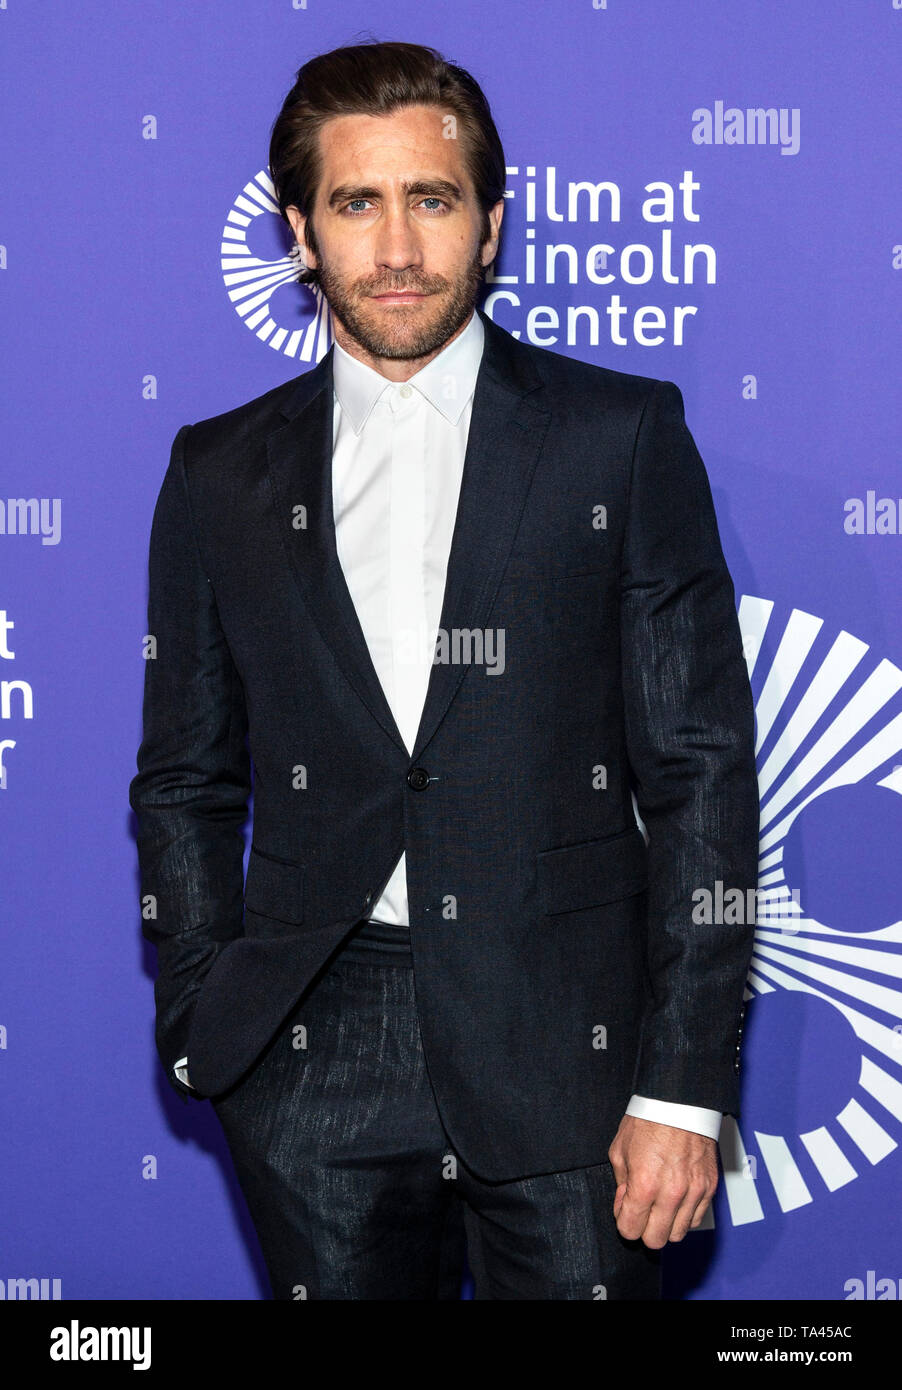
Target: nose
(398,245)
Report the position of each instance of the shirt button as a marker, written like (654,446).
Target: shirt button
(406,391)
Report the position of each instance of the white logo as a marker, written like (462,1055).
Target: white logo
(823,1099)
(252,282)
(78,1343)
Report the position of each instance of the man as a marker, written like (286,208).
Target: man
(460,601)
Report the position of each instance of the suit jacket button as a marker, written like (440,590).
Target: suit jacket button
(418,778)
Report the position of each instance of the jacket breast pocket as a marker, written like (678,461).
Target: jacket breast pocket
(592,872)
(274,888)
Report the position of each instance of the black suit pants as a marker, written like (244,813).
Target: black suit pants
(355,1189)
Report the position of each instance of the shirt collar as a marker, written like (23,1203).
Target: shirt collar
(358,387)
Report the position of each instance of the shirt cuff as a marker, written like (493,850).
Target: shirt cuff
(181,1071)
(666,1112)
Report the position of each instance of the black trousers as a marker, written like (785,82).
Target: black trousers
(355,1189)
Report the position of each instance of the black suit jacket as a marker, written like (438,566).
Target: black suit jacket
(558,964)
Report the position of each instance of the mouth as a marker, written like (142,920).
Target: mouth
(398,297)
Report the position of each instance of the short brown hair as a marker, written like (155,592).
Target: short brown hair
(374,79)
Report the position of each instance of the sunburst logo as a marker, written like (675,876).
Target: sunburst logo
(255,267)
(822,1071)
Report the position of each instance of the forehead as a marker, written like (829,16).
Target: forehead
(407,144)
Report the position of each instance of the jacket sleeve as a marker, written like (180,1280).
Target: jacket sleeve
(191,791)
(689,722)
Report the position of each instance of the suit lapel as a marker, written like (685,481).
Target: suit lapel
(506,434)
(505,438)
(300,468)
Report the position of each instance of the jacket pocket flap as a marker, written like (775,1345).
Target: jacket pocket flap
(596,871)
(274,887)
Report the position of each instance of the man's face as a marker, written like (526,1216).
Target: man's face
(397,230)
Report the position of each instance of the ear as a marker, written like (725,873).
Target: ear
(490,248)
(298,223)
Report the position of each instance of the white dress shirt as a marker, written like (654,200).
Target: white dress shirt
(397,462)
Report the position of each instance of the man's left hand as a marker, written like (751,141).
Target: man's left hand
(665,1177)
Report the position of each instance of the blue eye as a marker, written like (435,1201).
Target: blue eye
(354,208)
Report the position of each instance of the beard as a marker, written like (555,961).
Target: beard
(403,334)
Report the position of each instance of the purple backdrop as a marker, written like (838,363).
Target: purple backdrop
(145,284)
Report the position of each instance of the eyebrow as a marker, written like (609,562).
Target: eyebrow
(425,187)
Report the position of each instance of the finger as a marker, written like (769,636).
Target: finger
(700,1210)
(683,1218)
(691,1211)
(664,1210)
(634,1213)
